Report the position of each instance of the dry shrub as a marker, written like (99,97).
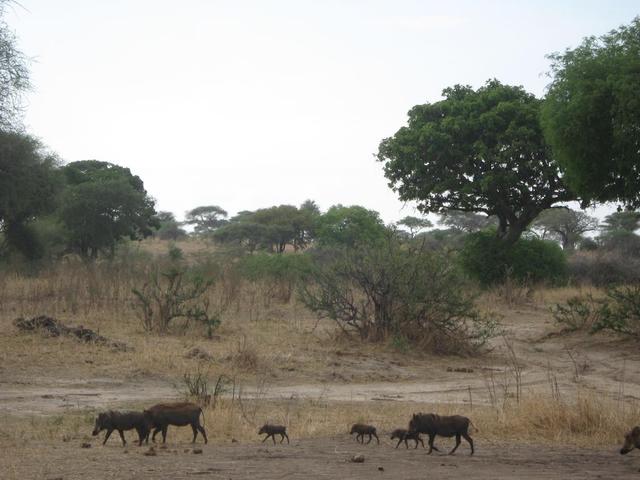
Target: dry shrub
(602,268)
(245,356)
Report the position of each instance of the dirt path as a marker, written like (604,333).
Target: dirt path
(317,458)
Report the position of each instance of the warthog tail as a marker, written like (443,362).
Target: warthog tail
(202,413)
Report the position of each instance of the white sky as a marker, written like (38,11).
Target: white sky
(249,104)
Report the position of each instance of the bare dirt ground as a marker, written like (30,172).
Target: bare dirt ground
(315,458)
(56,379)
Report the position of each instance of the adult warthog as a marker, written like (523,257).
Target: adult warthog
(631,441)
(179,414)
(445,426)
(121,421)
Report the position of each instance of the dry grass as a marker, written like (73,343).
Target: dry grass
(587,421)
(259,335)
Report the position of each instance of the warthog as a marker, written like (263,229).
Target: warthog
(631,441)
(272,430)
(445,426)
(122,421)
(180,414)
(403,435)
(363,430)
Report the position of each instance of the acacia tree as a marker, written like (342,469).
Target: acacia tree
(169,228)
(564,224)
(206,219)
(591,116)
(626,221)
(414,224)
(466,222)
(103,203)
(476,151)
(271,228)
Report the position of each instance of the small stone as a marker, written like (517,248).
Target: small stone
(85,445)
(357,459)
(381,469)
(233,440)
(197,451)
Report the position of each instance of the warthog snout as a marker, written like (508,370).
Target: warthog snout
(631,441)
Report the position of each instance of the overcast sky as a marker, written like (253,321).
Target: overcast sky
(249,104)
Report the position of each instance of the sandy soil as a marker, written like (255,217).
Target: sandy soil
(317,458)
(604,364)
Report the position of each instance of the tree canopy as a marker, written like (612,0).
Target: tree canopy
(271,228)
(169,228)
(591,116)
(476,151)
(206,219)
(626,221)
(466,222)
(414,224)
(28,185)
(349,226)
(565,225)
(103,203)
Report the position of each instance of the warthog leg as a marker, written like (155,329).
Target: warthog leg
(468,439)
(457,444)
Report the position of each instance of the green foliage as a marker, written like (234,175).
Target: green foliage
(206,219)
(103,203)
(281,272)
(271,228)
(28,186)
(565,225)
(621,241)
(591,115)
(626,221)
(172,294)
(274,267)
(618,311)
(489,261)
(414,224)
(350,226)
(476,151)
(398,289)
(467,222)
(168,227)
(578,313)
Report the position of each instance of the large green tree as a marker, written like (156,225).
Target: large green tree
(103,203)
(591,116)
(476,151)
(349,226)
(28,184)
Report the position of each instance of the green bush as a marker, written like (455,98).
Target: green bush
(281,272)
(396,291)
(486,258)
